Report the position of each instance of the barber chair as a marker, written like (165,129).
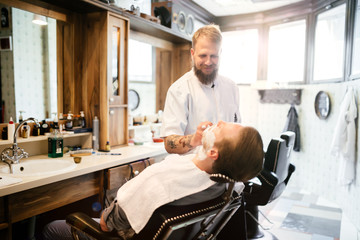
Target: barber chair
(197,221)
(269,184)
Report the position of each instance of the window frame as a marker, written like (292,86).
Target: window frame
(314,17)
(352,6)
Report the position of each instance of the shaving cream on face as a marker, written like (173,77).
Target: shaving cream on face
(208,140)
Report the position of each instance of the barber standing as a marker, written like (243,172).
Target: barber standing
(200,97)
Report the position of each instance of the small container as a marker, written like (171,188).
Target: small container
(82,119)
(69,122)
(44,127)
(21,117)
(25,130)
(36,130)
(107,146)
(4,133)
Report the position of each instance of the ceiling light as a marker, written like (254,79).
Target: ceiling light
(40,20)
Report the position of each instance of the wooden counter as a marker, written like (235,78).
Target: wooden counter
(40,194)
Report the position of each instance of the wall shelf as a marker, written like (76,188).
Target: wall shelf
(280,96)
(41,138)
(145,126)
(137,23)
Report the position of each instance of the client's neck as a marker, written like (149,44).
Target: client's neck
(203,164)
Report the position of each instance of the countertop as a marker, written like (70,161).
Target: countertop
(88,164)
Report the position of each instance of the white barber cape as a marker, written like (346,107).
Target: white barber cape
(161,183)
(344,139)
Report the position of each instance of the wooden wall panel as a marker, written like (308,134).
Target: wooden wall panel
(170,65)
(163,76)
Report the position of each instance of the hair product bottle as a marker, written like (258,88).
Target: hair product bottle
(69,121)
(95,141)
(82,119)
(11,129)
(55,144)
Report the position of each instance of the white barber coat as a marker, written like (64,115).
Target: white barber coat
(344,140)
(189,102)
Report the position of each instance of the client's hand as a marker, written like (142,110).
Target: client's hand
(103,224)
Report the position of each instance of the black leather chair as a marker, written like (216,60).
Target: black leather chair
(270,183)
(198,221)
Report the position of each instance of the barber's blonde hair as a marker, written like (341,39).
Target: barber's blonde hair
(211,31)
(240,157)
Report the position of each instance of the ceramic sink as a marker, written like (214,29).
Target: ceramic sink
(38,167)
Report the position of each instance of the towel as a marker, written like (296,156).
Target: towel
(293,126)
(5,180)
(344,139)
(173,178)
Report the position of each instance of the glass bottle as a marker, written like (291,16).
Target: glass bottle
(55,143)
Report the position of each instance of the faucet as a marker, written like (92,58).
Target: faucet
(13,154)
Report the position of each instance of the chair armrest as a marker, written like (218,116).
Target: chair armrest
(83,223)
(291,170)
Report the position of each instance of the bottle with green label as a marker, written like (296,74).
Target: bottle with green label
(55,143)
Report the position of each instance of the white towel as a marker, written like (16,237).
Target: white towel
(6,180)
(161,183)
(344,139)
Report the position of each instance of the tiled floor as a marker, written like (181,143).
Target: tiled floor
(305,216)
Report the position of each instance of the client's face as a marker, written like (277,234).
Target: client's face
(218,132)
(226,129)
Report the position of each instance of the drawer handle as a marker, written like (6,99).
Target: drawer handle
(136,173)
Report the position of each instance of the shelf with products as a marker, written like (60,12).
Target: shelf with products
(43,138)
(145,126)
(137,23)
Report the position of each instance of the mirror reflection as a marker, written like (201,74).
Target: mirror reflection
(28,66)
(142,78)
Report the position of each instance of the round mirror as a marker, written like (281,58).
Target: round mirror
(134,99)
(322,105)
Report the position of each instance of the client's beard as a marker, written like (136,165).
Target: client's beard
(206,79)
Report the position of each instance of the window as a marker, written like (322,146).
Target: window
(286,56)
(240,55)
(329,44)
(355,70)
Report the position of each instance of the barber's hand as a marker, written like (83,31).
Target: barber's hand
(196,140)
(103,224)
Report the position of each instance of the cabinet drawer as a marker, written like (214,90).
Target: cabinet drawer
(117,176)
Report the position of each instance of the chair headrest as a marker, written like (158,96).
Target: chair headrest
(221,178)
(289,137)
(277,157)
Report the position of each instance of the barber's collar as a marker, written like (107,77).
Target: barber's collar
(211,85)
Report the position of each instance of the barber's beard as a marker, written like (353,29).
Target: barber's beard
(206,79)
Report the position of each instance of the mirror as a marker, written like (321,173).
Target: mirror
(28,66)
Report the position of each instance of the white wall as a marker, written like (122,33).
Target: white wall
(316,168)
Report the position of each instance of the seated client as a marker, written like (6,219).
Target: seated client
(227,148)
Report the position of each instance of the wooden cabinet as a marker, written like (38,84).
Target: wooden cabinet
(117,80)
(32,202)
(105,73)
